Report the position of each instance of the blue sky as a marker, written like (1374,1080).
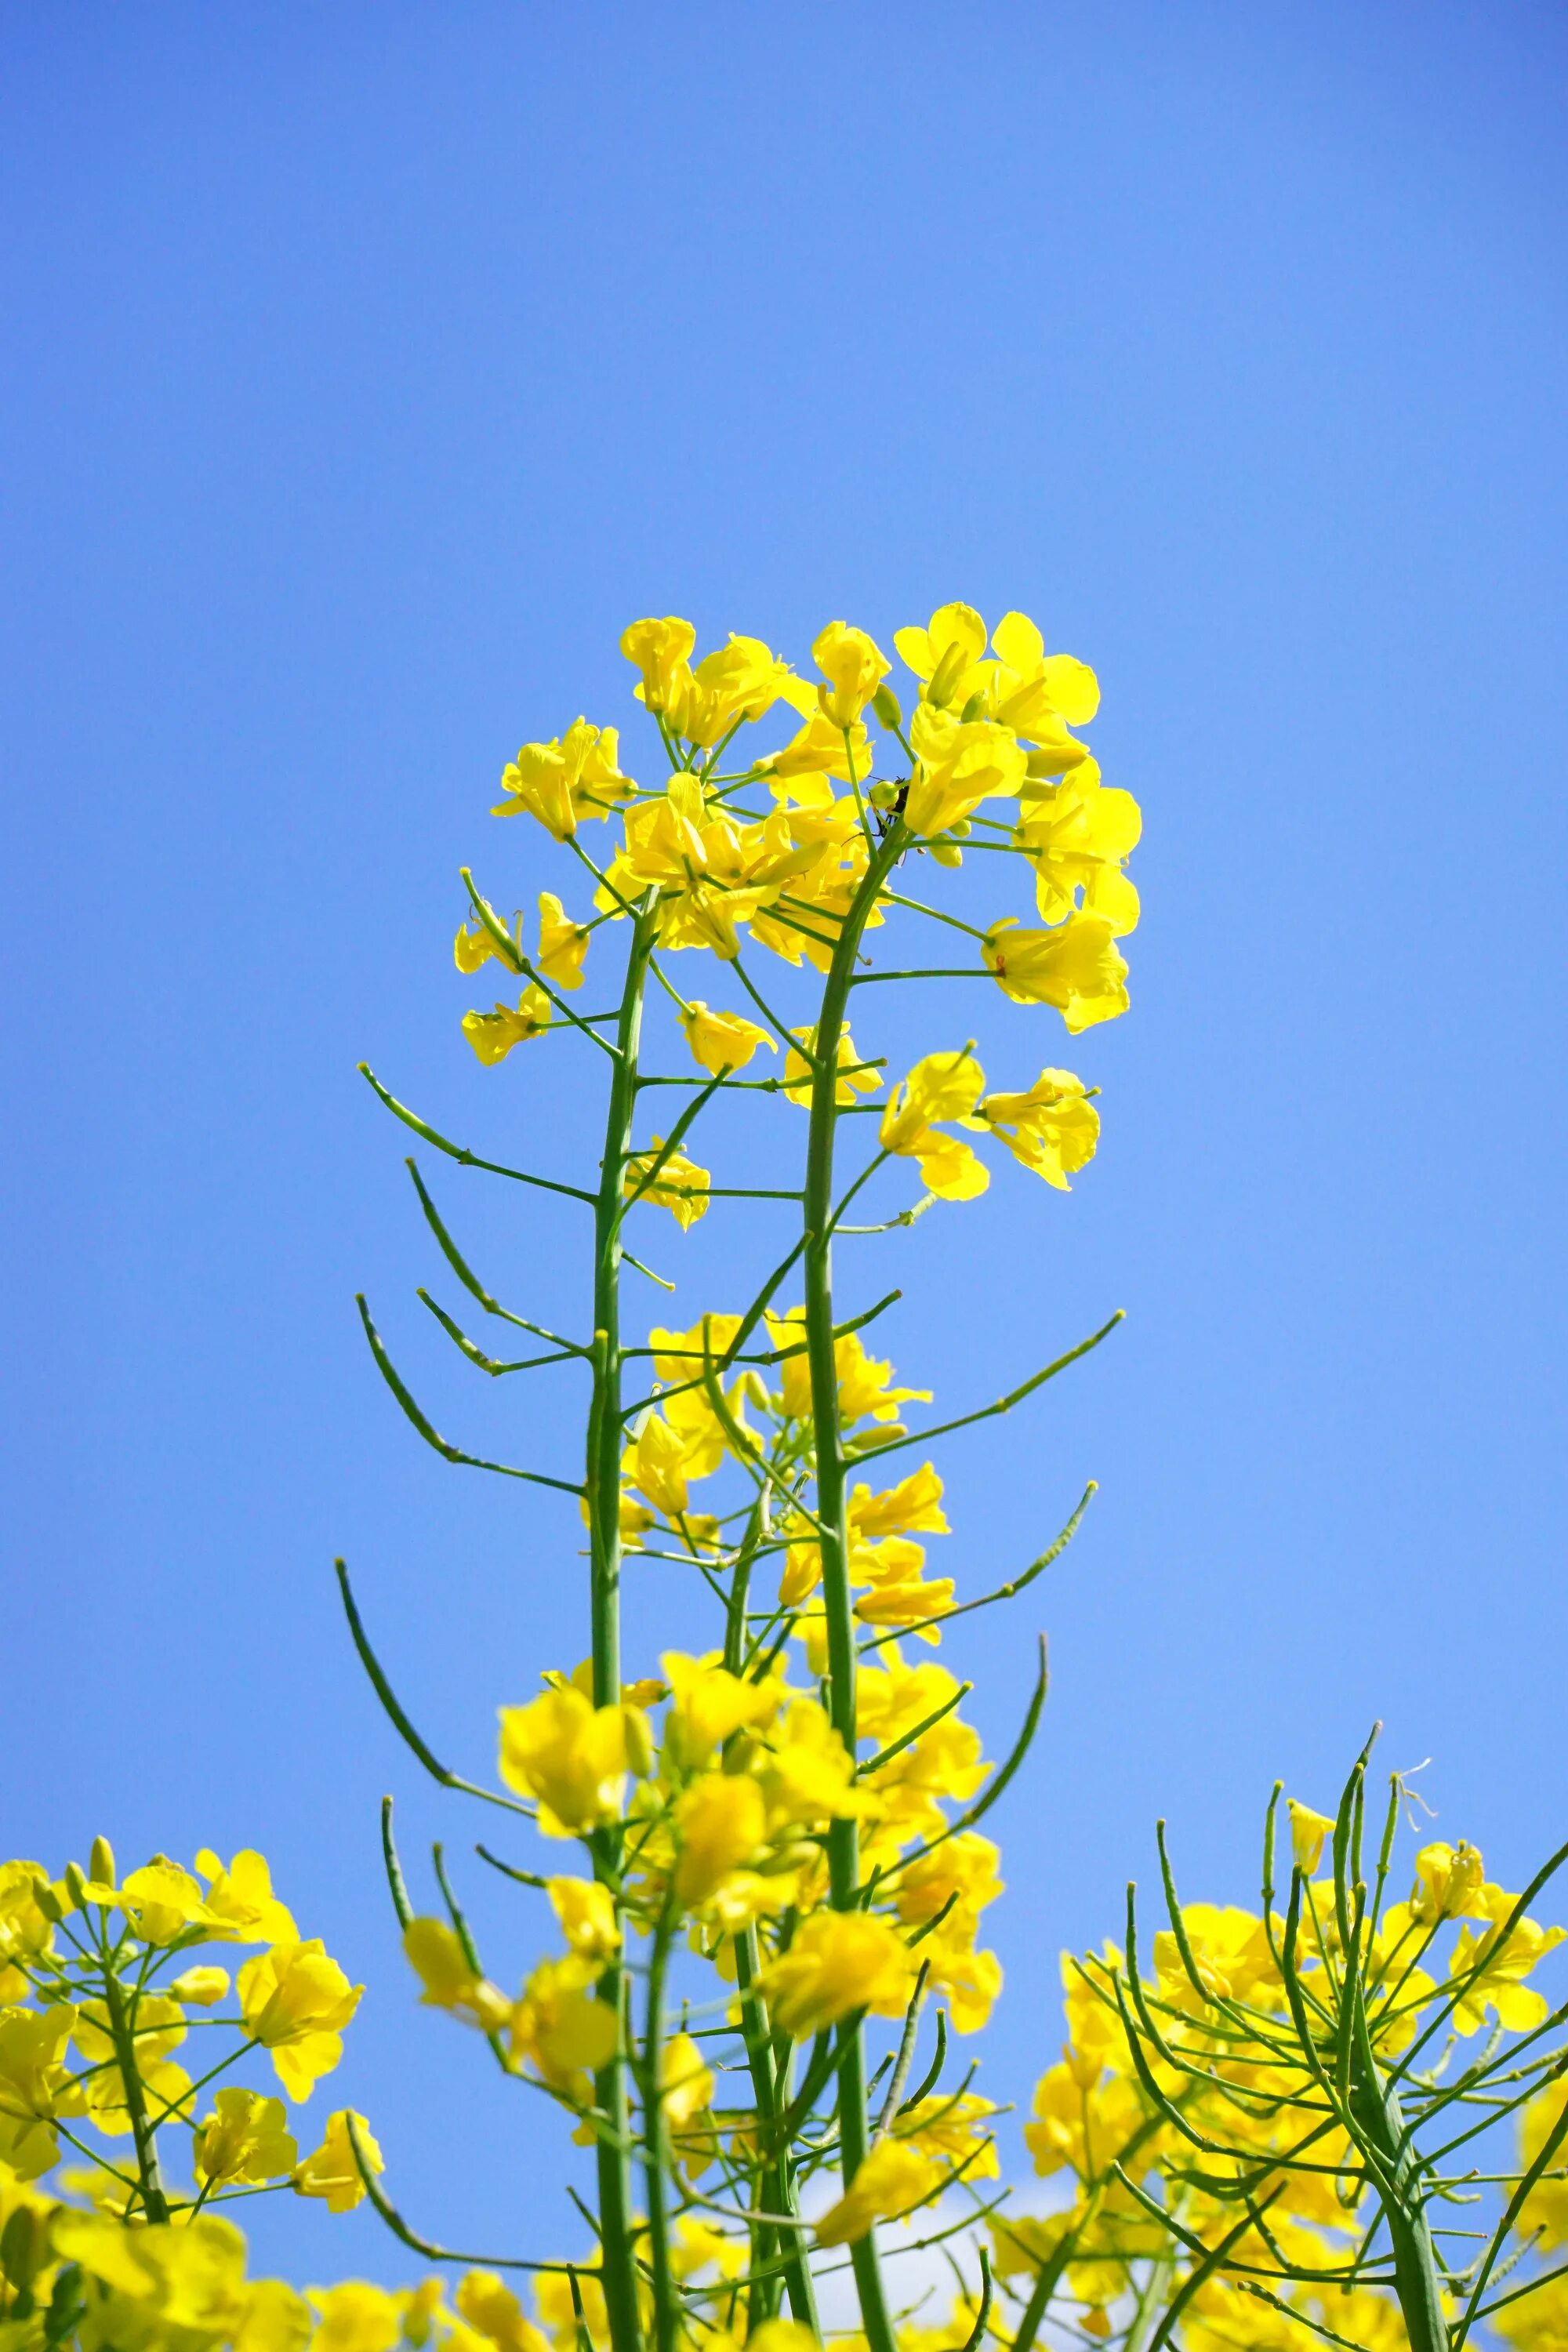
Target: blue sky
(369,369)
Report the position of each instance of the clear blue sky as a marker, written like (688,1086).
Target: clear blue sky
(367,368)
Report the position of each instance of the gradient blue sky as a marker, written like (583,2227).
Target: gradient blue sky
(367,368)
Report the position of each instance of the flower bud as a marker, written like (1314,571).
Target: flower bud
(48,1901)
(641,1754)
(76,1885)
(974,708)
(946,675)
(884,796)
(24,2247)
(101,1862)
(947,852)
(741,1753)
(885,703)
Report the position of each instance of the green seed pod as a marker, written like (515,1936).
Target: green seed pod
(885,703)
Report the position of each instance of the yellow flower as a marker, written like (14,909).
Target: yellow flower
(471,949)
(1075,967)
(736,683)
(911,1507)
(34,2085)
(569,1755)
(681,1186)
(698,2246)
(840,1961)
(587,1914)
(945,656)
(1450,1882)
(244,2138)
(721,1040)
(942,1087)
(25,1932)
(450,1982)
(493,1035)
(492,2310)
(562,2028)
(961,762)
(853,666)
(894,2179)
(853,1076)
(294,1999)
(688,2083)
(333,2172)
(1308,1831)
(1078,835)
(806,1772)
(562,944)
(960,1872)
(721,1821)
(572,777)
(954,2129)
(201,1988)
(660,649)
(241,1900)
(1052,1127)
(818,754)
(709,1704)
(354,2318)
(161,1900)
(1502,1961)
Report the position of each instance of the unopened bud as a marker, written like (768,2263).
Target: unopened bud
(884,796)
(946,675)
(101,1862)
(740,1754)
(1043,763)
(885,703)
(24,2247)
(48,1901)
(947,852)
(974,708)
(76,1885)
(640,1751)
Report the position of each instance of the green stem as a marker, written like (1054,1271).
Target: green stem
(843,1844)
(121,2027)
(603,1489)
(656,2144)
(777,2192)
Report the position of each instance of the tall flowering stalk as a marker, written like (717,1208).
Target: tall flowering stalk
(765,1964)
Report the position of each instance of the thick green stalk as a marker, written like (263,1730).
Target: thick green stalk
(121,2029)
(603,1489)
(843,1845)
(656,2146)
(1375,2107)
(778,2192)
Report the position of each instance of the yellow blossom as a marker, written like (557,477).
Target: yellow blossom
(34,2085)
(960,763)
(721,1040)
(471,949)
(24,1931)
(200,1988)
(892,2180)
(1308,1831)
(720,1822)
(840,1961)
(1075,967)
(1449,1881)
(333,2172)
(569,1755)
(1501,1956)
(161,1900)
(294,1999)
(946,655)
(491,2309)
(572,777)
(688,2081)
(911,1507)
(681,1186)
(587,1911)
(246,2138)
(354,2318)
(852,1077)
(493,1035)
(451,1980)
(1078,835)
(1052,1127)
(818,754)
(942,1087)
(853,666)
(560,2026)
(953,2127)
(241,1901)
(660,649)
(709,1704)
(562,944)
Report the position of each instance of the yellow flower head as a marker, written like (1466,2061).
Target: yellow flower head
(681,1186)
(945,656)
(294,1999)
(333,2172)
(241,1900)
(961,763)
(894,2179)
(562,944)
(451,1980)
(354,2318)
(710,1703)
(942,1087)
(493,1035)
(560,2028)
(572,777)
(660,649)
(854,667)
(816,758)
(569,1755)
(246,2138)
(1449,1881)
(1075,967)
(1078,835)
(721,1040)
(1308,1831)
(1052,1127)
(853,1077)
(840,1961)
(200,1988)
(492,2311)
(34,2085)
(587,1911)
(721,1823)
